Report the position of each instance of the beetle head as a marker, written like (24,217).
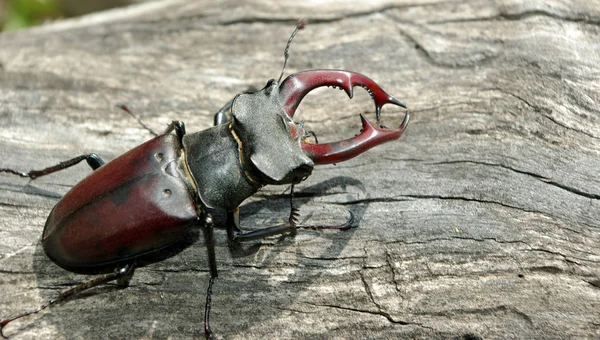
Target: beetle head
(270,140)
(273,146)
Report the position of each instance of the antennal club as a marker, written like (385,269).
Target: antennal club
(300,25)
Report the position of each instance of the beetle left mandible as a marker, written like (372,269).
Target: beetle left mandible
(146,199)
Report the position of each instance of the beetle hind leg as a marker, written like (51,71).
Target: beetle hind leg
(121,274)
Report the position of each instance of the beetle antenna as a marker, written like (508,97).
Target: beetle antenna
(300,25)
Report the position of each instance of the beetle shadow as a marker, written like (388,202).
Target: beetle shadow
(301,268)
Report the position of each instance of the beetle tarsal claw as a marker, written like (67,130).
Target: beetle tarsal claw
(294,216)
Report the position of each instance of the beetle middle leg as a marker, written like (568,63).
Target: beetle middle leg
(121,274)
(93,160)
(212,264)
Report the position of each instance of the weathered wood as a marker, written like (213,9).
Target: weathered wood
(482,221)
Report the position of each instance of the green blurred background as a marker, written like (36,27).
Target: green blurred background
(18,14)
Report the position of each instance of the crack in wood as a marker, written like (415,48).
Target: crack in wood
(367,311)
(292,21)
(522,16)
(524,172)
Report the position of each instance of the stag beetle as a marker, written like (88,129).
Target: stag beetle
(146,199)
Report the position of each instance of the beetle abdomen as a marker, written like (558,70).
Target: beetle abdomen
(133,205)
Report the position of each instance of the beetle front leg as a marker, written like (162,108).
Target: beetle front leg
(235,235)
(93,160)
(221,115)
(179,128)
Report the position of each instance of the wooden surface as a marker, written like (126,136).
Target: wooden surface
(481,222)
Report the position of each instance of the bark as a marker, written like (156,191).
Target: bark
(481,222)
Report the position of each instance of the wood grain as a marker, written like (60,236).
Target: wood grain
(481,222)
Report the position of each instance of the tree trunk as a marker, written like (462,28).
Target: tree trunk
(482,221)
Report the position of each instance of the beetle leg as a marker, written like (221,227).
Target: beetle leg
(349,224)
(221,115)
(294,212)
(118,274)
(93,160)
(309,134)
(210,245)
(207,331)
(263,233)
(179,128)
(235,235)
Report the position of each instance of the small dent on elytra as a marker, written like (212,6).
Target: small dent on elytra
(167,192)
(159,156)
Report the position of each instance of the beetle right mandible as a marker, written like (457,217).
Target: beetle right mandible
(146,199)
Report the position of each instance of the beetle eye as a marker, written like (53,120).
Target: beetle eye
(269,87)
